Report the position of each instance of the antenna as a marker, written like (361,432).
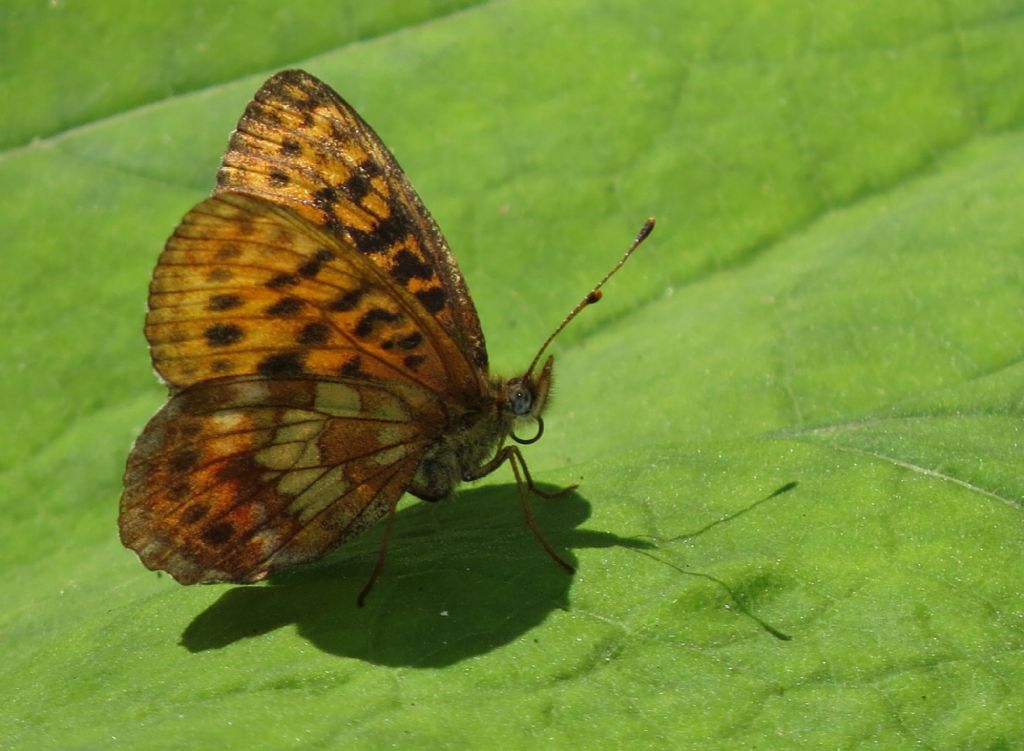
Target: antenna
(595,294)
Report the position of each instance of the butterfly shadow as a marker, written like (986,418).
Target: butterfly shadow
(462,578)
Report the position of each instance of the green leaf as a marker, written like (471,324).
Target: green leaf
(834,296)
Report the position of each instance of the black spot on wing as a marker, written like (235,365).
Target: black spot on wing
(412,341)
(356,187)
(433,298)
(282,280)
(285,307)
(185,460)
(353,367)
(223,334)
(365,326)
(260,113)
(223,302)
(406,266)
(314,334)
(194,513)
(413,361)
(281,364)
(326,199)
(312,267)
(347,300)
(387,234)
(218,534)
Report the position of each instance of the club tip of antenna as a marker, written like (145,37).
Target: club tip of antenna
(594,296)
(645,230)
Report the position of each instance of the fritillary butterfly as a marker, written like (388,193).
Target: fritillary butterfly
(322,353)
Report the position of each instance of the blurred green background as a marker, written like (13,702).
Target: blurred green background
(834,295)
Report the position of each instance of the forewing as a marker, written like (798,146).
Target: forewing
(235,478)
(245,287)
(302,145)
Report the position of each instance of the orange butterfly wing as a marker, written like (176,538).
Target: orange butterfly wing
(318,341)
(237,477)
(308,387)
(245,287)
(302,145)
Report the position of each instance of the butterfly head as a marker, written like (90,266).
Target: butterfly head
(524,398)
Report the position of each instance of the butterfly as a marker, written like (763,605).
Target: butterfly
(322,353)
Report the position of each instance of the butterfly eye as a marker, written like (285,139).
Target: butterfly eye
(519,401)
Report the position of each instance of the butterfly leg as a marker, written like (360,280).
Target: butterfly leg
(533,488)
(514,457)
(505,454)
(381,555)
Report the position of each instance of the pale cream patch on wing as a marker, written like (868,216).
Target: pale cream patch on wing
(229,421)
(280,456)
(297,481)
(293,446)
(390,456)
(337,399)
(228,445)
(318,496)
(303,431)
(246,393)
(311,456)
